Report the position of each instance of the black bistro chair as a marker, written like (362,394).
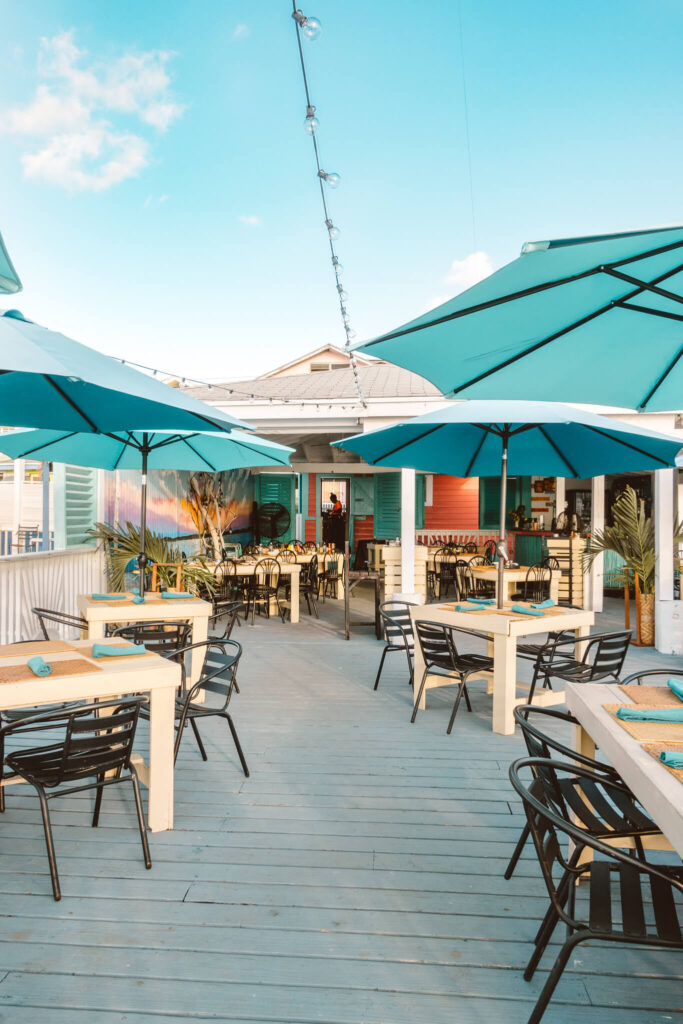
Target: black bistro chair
(164,638)
(330,577)
(441,658)
(490,551)
(602,661)
(309,585)
(397,626)
(94,742)
(536,586)
(47,617)
(445,562)
(621,889)
(625,818)
(217,681)
(263,587)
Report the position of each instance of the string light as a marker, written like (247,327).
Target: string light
(310,28)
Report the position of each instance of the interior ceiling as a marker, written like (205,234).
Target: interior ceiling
(316,448)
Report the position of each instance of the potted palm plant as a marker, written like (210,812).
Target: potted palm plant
(632,537)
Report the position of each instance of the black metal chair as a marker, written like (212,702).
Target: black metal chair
(397,626)
(441,658)
(164,638)
(551,563)
(490,551)
(263,587)
(230,586)
(625,819)
(637,882)
(48,615)
(662,673)
(97,742)
(536,586)
(228,615)
(309,585)
(218,679)
(471,548)
(330,577)
(477,587)
(285,556)
(602,661)
(445,561)
(310,547)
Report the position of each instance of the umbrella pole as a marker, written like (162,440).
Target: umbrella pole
(503,516)
(142,557)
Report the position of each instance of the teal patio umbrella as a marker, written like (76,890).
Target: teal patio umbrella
(595,320)
(494,438)
(9,279)
(49,380)
(145,450)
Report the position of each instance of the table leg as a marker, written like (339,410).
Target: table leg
(160,771)
(555,590)
(294,597)
(418,669)
(96,630)
(504,683)
(580,633)
(200,633)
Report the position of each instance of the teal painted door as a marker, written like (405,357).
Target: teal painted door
(280,488)
(518,493)
(388,505)
(362,496)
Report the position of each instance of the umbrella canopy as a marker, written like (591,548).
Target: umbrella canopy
(9,279)
(49,380)
(595,320)
(481,438)
(144,450)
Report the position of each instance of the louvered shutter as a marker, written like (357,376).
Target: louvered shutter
(75,504)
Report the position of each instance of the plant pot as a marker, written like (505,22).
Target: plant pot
(646,623)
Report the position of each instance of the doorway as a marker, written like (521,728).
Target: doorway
(334,510)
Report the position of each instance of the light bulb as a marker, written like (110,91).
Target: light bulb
(342,294)
(332,179)
(350,334)
(332,229)
(311,28)
(337,265)
(311,125)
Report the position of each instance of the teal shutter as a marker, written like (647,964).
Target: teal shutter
(75,504)
(387,513)
(518,493)
(280,488)
(419,501)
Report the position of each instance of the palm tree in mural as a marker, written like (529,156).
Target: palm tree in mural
(210,511)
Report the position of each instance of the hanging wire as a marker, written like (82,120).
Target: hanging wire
(310,27)
(467,127)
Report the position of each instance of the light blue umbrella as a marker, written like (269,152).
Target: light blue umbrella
(596,320)
(9,279)
(49,380)
(136,449)
(480,438)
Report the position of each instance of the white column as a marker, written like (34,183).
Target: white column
(17,500)
(668,620)
(45,545)
(408,534)
(595,576)
(560,496)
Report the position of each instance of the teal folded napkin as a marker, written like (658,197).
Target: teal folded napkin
(175,594)
(105,651)
(108,597)
(138,600)
(467,607)
(481,600)
(39,667)
(672,758)
(523,610)
(676,686)
(633,714)
(548,603)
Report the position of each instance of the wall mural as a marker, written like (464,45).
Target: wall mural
(171,507)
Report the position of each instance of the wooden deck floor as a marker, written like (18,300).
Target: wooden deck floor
(355,877)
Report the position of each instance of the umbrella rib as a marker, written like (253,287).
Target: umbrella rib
(199,455)
(644,284)
(526,292)
(647,309)
(256,451)
(69,401)
(660,380)
(479,447)
(57,440)
(412,440)
(633,447)
(558,451)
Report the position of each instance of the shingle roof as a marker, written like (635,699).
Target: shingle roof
(380,380)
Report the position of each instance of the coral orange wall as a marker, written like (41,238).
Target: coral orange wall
(455,504)
(363,527)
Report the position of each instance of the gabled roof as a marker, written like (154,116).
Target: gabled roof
(361,360)
(377,381)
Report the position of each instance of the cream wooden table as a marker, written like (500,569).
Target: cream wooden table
(109,677)
(291,569)
(503,630)
(514,578)
(99,614)
(660,793)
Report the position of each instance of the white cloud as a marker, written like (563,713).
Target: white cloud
(241,31)
(253,222)
(153,200)
(75,110)
(462,275)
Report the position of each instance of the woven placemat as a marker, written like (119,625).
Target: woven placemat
(647,732)
(68,667)
(655,749)
(657,696)
(118,657)
(39,647)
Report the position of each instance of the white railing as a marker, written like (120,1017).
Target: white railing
(45,579)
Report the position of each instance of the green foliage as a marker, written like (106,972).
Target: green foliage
(121,543)
(633,538)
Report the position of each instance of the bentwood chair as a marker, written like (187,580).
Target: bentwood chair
(286,557)
(628,901)
(625,819)
(93,742)
(602,661)
(398,634)
(536,586)
(441,658)
(217,681)
(445,562)
(490,551)
(263,587)
(309,585)
(330,577)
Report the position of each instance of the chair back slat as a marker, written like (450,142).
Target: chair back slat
(436,643)
(608,654)
(397,623)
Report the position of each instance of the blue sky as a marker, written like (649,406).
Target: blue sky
(201,247)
